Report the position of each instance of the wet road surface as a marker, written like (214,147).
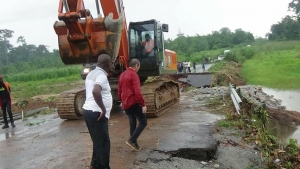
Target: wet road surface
(64,144)
(52,144)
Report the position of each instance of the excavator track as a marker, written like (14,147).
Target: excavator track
(69,104)
(159,96)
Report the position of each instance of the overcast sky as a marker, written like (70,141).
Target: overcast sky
(34,19)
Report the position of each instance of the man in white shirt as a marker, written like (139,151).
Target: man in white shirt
(97,107)
(189,66)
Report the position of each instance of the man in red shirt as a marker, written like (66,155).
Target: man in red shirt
(133,103)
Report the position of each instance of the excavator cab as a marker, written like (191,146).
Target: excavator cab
(146,43)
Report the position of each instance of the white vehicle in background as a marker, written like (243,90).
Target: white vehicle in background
(226,51)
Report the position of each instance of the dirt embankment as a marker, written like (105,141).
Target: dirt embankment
(230,73)
(35,102)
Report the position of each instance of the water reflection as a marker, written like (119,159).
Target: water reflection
(282,132)
(7,135)
(290,98)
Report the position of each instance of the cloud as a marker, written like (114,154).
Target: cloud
(34,19)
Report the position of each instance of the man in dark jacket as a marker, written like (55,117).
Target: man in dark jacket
(5,102)
(133,103)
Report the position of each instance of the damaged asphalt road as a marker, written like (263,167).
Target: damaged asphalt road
(180,138)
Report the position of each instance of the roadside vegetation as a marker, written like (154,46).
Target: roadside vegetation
(44,82)
(26,90)
(275,65)
(252,122)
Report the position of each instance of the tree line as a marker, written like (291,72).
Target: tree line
(224,38)
(286,29)
(289,27)
(27,57)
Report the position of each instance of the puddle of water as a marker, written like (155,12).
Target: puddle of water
(6,136)
(290,99)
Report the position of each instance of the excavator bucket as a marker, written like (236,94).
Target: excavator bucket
(82,38)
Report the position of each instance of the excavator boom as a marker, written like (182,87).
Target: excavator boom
(82,38)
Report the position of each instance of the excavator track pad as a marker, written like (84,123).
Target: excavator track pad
(69,104)
(159,96)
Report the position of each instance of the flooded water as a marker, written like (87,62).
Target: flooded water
(291,100)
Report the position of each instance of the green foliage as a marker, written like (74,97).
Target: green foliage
(247,52)
(287,29)
(187,46)
(44,74)
(231,56)
(25,57)
(225,123)
(229,116)
(191,88)
(250,167)
(292,147)
(217,66)
(239,123)
(274,59)
(25,90)
(294,5)
(263,116)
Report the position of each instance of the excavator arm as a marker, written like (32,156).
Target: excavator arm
(82,38)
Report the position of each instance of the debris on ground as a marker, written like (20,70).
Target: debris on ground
(256,96)
(35,122)
(230,73)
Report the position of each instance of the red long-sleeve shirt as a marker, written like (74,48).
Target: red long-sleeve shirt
(129,90)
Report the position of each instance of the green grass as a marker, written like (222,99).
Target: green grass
(25,90)
(225,123)
(216,66)
(277,65)
(44,82)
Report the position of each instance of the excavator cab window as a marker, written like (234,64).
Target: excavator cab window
(142,43)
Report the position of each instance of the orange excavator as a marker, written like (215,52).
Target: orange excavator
(82,38)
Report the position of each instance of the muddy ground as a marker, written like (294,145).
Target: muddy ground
(51,142)
(55,143)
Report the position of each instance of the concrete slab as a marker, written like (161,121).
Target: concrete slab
(190,140)
(197,80)
(189,136)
